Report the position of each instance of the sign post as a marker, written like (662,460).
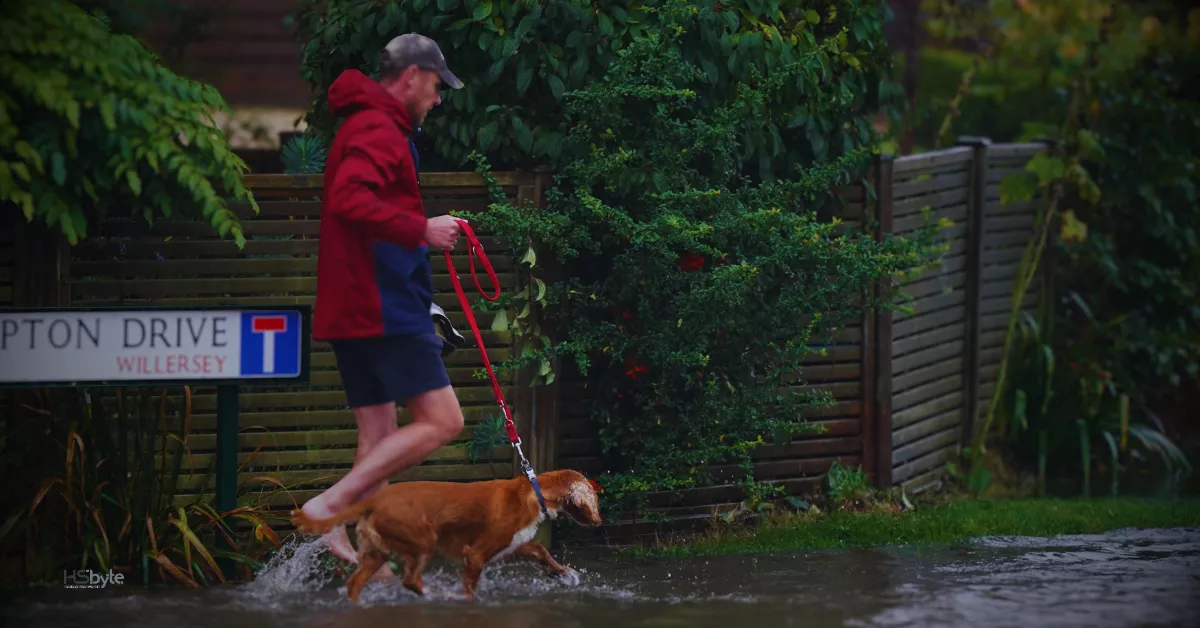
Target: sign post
(216,346)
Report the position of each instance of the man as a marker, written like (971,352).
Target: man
(374,290)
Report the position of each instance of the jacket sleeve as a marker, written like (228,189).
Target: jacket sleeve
(375,150)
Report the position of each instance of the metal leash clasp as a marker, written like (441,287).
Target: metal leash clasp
(532,477)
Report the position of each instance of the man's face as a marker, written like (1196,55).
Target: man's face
(420,90)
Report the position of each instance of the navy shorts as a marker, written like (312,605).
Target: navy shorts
(390,368)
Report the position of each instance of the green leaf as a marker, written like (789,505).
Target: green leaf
(1017,188)
(483,10)
(511,44)
(1019,416)
(487,134)
(812,16)
(1048,169)
(495,70)
(530,257)
(522,134)
(541,290)
(542,141)
(58,168)
(524,79)
(556,86)
(135,182)
(500,323)
(1089,141)
(544,368)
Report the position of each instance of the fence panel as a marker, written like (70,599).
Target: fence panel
(929,342)
(1007,230)
(300,436)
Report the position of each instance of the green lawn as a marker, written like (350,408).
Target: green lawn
(941,524)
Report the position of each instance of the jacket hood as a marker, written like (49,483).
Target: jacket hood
(354,91)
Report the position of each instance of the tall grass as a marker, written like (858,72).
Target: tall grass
(104,467)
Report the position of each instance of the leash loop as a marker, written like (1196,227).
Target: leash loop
(475,250)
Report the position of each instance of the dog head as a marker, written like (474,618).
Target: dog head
(568,491)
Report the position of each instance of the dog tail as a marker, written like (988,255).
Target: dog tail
(307,525)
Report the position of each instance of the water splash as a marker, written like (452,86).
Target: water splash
(295,568)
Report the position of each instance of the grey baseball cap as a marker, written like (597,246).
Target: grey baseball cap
(421,51)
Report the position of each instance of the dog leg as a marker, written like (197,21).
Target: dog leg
(473,562)
(414,566)
(538,553)
(368,564)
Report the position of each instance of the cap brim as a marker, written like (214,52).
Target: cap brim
(449,78)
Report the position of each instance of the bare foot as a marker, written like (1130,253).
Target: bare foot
(337,539)
(339,544)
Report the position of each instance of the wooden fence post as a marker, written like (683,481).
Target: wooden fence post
(545,399)
(543,408)
(524,397)
(974,283)
(882,386)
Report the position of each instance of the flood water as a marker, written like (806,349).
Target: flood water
(1123,578)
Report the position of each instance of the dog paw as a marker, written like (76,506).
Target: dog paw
(570,577)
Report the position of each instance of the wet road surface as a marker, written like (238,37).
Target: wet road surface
(1124,578)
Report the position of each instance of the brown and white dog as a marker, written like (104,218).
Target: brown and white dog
(475,522)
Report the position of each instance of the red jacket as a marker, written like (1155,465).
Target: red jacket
(373,276)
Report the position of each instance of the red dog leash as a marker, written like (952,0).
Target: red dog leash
(475,249)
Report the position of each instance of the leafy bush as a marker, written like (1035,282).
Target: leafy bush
(90,123)
(686,292)
(519,59)
(1128,308)
(1140,258)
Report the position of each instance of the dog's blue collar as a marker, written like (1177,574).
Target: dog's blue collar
(537,490)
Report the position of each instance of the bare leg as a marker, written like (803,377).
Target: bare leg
(375,423)
(437,419)
(379,427)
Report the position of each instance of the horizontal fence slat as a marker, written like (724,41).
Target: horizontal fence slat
(951,351)
(950,159)
(926,409)
(925,392)
(922,471)
(926,427)
(944,439)
(922,186)
(928,339)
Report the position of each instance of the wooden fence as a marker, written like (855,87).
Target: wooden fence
(944,356)
(302,436)
(909,389)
